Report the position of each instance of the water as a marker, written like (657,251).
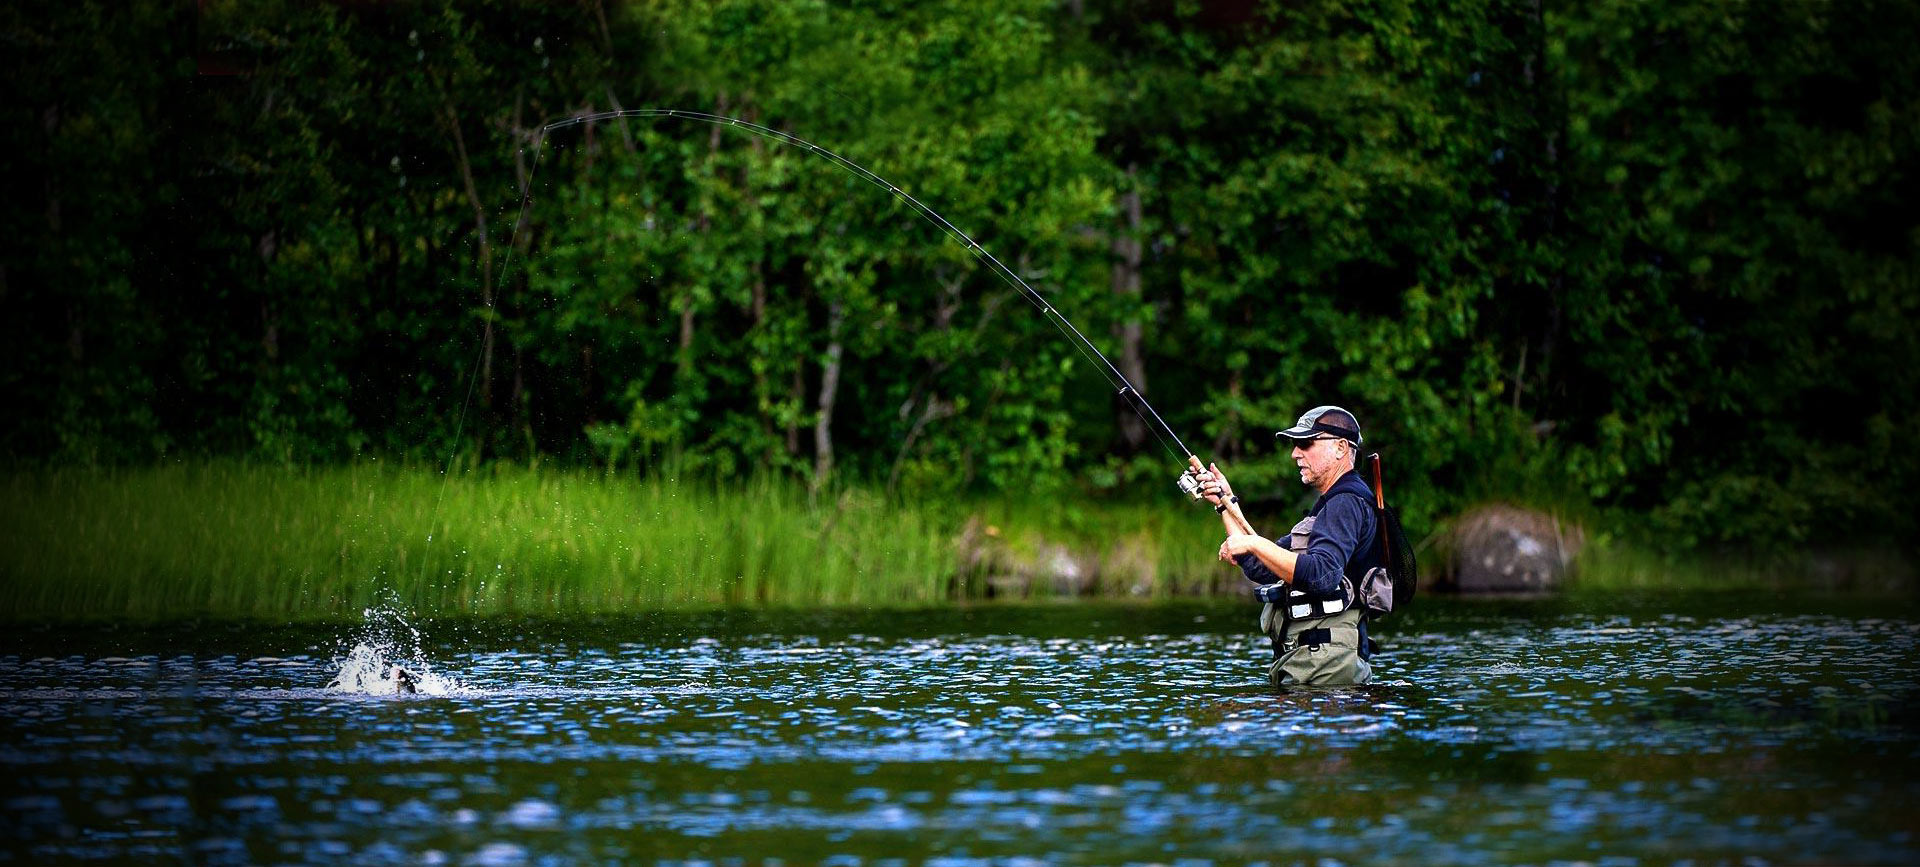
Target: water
(1531,732)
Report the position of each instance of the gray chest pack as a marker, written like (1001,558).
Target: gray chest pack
(1375,589)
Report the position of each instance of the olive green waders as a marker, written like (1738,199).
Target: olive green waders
(1315,648)
(1316,651)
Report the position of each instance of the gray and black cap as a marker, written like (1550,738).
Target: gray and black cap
(1324,420)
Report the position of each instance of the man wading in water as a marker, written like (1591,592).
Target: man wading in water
(1312,613)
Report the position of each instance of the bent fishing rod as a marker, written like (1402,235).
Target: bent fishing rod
(1188,482)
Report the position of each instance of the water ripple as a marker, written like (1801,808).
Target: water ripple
(1546,735)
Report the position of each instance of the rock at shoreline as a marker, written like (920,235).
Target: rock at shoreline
(1503,549)
(1034,566)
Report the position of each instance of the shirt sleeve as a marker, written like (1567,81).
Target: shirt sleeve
(1256,571)
(1344,523)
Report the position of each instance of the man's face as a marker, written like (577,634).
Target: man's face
(1319,460)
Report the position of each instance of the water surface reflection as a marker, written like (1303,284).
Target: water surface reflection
(1527,732)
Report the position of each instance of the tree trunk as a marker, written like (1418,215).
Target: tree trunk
(626,135)
(762,388)
(519,380)
(829,384)
(606,33)
(686,334)
(935,409)
(1126,284)
(267,248)
(589,406)
(704,223)
(796,395)
(519,137)
(486,254)
(1227,443)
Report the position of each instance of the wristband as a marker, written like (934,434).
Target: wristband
(1220,509)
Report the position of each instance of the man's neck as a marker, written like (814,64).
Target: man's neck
(1332,479)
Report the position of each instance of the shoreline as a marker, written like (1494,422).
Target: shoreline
(229,540)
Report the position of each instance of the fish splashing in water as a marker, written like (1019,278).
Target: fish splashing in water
(386,659)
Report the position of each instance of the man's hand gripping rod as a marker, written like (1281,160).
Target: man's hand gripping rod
(1189,481)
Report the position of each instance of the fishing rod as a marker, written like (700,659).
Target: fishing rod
(1187,482)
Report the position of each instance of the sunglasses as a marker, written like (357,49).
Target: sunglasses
(1307,444)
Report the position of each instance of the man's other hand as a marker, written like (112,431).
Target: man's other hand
(1236,545)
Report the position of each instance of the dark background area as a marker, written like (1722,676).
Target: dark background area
(1651,261)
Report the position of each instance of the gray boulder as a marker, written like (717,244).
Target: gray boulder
(1029,567)
(1503,549)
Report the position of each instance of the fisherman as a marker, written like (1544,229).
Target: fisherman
(1312,613)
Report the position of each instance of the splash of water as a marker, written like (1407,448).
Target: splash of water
(385,657)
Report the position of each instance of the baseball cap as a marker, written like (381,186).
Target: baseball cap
(1324,420)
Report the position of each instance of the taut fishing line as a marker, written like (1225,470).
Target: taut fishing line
(1123,387)
(473,380)
(386,657)
(1118,380)
(379,662)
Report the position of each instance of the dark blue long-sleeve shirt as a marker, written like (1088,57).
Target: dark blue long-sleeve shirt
(1344,541)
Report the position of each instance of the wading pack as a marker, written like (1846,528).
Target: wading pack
(1391,584)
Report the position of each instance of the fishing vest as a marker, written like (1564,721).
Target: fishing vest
(1300,606)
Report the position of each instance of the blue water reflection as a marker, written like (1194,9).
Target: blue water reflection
(1533,733)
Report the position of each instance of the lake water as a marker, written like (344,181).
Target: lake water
(1549,731)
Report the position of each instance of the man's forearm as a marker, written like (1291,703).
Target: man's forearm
(1235,521)
(1278,560)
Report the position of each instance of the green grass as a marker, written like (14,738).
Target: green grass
(1612,566)
(242,540)
(230,539)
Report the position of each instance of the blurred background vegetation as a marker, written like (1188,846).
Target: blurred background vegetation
(1650,263)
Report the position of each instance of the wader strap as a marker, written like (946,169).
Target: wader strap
(1315,637)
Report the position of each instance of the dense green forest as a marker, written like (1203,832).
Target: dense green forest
(1654,259)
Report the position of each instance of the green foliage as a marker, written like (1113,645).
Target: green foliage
(1741,266)
(234,539)
(1651,261)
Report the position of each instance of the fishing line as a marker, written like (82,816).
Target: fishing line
(1124,387)
(473,378)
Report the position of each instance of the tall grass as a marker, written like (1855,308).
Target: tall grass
(1611,567)
(235,539)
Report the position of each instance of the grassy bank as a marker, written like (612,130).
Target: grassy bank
(227,539)
(1613,567)
(231,539)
